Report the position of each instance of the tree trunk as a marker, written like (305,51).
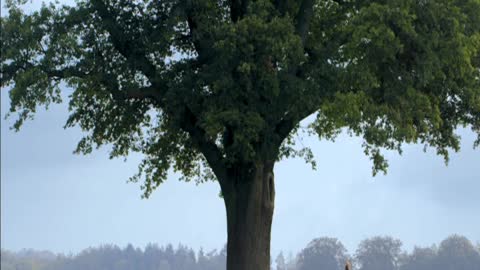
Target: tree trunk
(249,201)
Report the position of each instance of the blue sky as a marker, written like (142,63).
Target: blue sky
(52,199)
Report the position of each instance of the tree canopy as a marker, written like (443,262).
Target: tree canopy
(201,86)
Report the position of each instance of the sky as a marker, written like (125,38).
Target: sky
(54,200)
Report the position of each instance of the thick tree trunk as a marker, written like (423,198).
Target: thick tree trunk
(249,201)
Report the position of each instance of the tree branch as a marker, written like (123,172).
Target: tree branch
(128,47)
(188,122)
(238,8)
(65,73)
(280,5)
(201,40)
(207,148)
(288,123)
(148,92)
(303,18)
(193,26)
(283,128)
(110,83)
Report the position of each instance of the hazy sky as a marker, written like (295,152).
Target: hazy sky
(52,199)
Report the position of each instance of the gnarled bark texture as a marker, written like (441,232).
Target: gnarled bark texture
(249,201)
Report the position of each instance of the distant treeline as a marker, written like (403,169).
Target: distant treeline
(376,253)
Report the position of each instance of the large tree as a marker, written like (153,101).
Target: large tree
(215,89)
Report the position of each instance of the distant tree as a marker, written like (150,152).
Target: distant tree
(280,262)
(151,257)
(202,260)
(164,265)
(7,260)
(216,89)
(323,253)
(457,252)
(131,255)
(211,260)
(420,259)
(379,253)
(291,262)
(454,253)
(184,259)
(218,260)
(169,254)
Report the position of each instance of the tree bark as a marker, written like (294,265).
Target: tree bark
(249,202)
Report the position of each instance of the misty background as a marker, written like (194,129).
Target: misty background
(375,253)
(54,200)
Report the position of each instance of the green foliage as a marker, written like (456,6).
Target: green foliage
(204,86)
(409,75)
